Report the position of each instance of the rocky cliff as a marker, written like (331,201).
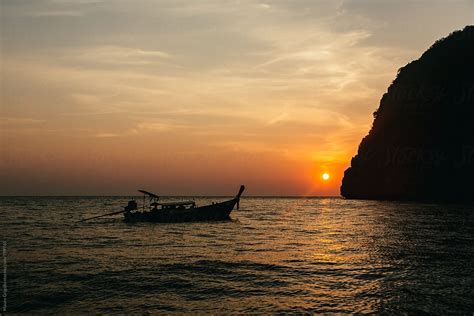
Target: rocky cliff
(421,144)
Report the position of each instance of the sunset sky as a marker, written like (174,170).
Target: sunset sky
(197,97)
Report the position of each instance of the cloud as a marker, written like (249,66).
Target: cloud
(277,119)
(116,56)
(20,120)
(106,135)
(50,14)
(119,53)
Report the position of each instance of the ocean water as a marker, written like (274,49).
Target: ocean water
(276,255)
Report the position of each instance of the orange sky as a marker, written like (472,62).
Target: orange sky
(184,97)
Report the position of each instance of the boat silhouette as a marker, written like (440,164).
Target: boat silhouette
(178,211)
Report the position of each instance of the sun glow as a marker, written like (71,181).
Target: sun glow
(325,176)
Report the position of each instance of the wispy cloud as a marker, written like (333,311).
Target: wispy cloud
(106,135)
(50,14)
(277,119)
(120,52)
(20,120)
(117,56)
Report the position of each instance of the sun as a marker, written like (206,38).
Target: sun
(326,176)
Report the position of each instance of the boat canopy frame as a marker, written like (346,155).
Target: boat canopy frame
(177,203)
(155,198)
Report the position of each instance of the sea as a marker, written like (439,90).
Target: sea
(275,256)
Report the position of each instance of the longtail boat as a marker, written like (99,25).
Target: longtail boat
(179,211)
(174,212)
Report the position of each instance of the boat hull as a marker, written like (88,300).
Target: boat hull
(215,212)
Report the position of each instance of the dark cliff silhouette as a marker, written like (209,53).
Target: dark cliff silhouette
(421,145)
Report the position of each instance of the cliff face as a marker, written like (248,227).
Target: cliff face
(421,145)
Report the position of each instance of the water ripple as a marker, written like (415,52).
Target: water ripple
(276,256)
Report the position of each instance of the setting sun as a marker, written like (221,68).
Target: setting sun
(325,176)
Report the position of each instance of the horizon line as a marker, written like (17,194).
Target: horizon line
(177,196)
